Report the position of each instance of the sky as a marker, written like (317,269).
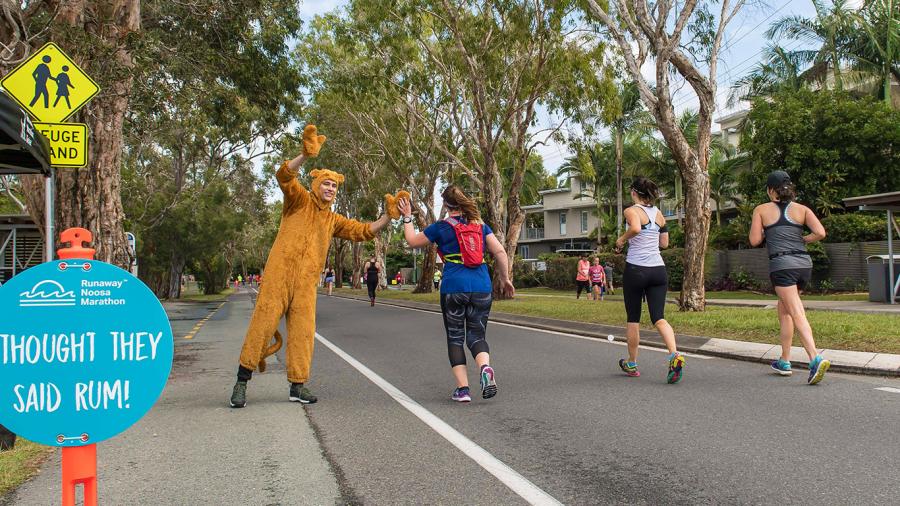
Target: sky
(741,50)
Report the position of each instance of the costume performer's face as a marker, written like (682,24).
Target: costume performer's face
(328,190)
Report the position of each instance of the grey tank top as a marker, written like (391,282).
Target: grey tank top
(784,241)
(643,249)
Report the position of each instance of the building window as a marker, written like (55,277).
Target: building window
(584,222)
(562,223)
(523,252)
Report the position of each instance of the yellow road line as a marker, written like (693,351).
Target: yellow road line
(193,332)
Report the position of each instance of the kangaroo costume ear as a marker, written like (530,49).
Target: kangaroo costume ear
(390,203)
(312,141)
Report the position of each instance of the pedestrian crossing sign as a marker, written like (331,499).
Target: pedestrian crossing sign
(49,85)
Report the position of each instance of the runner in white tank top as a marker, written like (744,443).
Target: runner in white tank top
(645,276)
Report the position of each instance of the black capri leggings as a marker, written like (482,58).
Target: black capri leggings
(372,287)
(639,283)
(465,320)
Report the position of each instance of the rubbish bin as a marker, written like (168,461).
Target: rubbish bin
(879,286)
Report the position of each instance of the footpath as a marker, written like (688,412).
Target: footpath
(192,448)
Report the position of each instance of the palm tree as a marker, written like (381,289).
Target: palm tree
(875,46)
(829,29)
(724,163)
(625,114)
(780,70)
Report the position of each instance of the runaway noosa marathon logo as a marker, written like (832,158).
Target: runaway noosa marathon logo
(47,293)
(50,293)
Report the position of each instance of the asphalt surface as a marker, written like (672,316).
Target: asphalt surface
(571,423)
(565,419)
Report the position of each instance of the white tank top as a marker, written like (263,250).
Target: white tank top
(643,249)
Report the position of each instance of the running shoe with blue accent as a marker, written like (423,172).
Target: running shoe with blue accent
(461,395)
(817,368)
(676,366)
(488,384)
(630,368)
(782,367)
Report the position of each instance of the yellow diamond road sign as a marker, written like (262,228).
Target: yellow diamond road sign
(68,143)
(49,85)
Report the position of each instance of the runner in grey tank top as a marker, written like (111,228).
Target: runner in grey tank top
(784,240)
(790,267)
(643,249)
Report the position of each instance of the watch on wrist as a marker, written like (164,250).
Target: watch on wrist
(407,219)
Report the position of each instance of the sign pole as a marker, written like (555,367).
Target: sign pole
(48,218)
(79,463)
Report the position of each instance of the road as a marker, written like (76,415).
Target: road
(566,426)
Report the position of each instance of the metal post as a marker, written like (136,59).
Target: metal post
(892,296)
(48,218)
(15,257)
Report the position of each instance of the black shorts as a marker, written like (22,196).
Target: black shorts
(583,285)
(791,277)
(639,283)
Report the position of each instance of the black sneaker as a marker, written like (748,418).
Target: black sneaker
(239,395)
(301,394)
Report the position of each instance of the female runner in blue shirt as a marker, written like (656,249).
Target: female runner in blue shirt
(465,291)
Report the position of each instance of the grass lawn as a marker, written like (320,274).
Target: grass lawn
(191,293)
(20,464)
(710,295)
(834,330)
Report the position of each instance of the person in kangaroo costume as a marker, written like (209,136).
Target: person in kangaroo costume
(292,271)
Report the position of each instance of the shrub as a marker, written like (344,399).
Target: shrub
(561,272)
(675,265)
(855,228)
(524,274)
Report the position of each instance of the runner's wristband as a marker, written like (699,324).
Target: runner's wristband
(664,229)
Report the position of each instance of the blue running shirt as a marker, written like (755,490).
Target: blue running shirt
(457,277)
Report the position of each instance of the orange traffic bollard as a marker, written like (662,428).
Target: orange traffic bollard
(79,463)
(76,237)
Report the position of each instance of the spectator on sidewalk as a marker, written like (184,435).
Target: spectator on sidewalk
(608,270)
(582,278)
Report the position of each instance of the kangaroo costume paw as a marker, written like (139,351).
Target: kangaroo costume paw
(312,141)
(390,203)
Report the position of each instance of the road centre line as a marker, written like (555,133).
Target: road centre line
(509,477)
(193,332)
(889,389)
(554,332)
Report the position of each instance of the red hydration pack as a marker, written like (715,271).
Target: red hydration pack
(470,237)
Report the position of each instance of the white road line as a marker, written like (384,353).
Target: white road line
(554,332)
(515,481)
(889,389)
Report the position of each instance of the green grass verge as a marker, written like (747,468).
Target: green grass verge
(208,298)
(834,330)
(20,464)
(714,295)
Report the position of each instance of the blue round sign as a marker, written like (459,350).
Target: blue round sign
(85,355)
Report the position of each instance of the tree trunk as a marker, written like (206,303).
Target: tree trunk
(426,282)
(380,254)
(696,234)
(356,253)
(91,197)
(176,269)
(619,154)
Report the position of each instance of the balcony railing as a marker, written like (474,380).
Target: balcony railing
(532,233)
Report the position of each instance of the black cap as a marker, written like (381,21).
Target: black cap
(777,179)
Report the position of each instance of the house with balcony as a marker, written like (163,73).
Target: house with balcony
(561,223)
